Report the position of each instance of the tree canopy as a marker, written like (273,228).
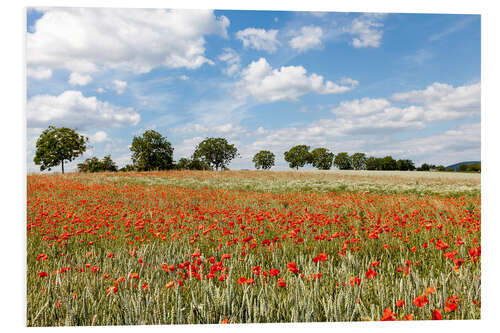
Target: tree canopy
(298,156)
(56,145)
(216,152)
(358,161)
(342,161)
(152,151)
(95,165)
(322,158)
(264,159)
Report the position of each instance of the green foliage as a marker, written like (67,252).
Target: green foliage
(441,168)
(371,163)
(127,168)
(298,156)
(322,159)
(152,151)
(387,163)
(358,161)
(424,167)
(476,167)
(192,164)
(56,145)
(405,165)
(216,152)
(95,165)
(342,161)
(264,159)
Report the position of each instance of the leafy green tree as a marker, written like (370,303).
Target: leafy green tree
(441,168)
(358,161)
(322,159)
(342,161)
(405,165)
(216,152)
(462,168)
(475,167)
(152,151)
(387,163)
(424,167)
(127,168)
(191,164)
(298,156)
(56,145)
(95,165)
(108,164)
(90,165)
(371,163)
(264,159)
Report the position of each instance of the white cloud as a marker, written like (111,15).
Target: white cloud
(451,146)
(39,73)
(309,38)
(444,102)
(367,28)
(183,77)
(259,39)
(79,79)
(100,90)
(233,61)
(266,84)
(72,109)
(85,40)
(98,137)
(119,86)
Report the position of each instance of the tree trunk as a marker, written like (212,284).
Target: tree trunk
(62,165)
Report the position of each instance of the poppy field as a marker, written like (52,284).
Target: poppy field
(177,248)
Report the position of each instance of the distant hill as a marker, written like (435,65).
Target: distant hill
(457,165)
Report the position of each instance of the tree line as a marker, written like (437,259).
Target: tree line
(152,151)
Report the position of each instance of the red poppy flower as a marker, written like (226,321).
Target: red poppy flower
(420,301)
(242,280)
(436,315)
(274,271)
(133,276)
(281,282)
(370,273)
(400,303)
(389,315)
(43,274)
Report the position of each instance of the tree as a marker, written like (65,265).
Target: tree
(441,168)
(264,159)
(108,164)
(152,151)
(322,159)
(387,163)
(475,167)
(191,164)
(90,165)
(56,145)
(371,163)
(342,161)
(95,165)
(424,167)
(298,156)
(358,161)
(405,165)
(462,168)
(216,152)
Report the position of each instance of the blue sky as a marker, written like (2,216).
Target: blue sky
(407,85)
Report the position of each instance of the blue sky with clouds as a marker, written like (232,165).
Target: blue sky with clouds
(407,85)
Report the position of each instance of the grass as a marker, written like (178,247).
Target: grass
(188,220)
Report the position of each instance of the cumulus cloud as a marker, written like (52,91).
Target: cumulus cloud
(451,146)
(259,39)
(119,86)
(39,73)
(233,61)
(77,79)
(85,40)
(266,84)
(367,29)
(444,102)
(72,109)
(98,137)
(308,38)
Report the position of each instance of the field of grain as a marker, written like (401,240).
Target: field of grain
(185,247)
